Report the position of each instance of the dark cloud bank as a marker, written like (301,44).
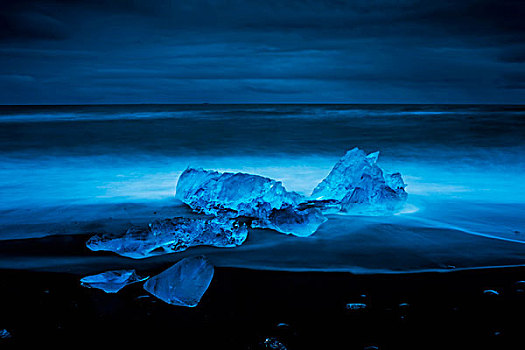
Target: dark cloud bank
(68,52)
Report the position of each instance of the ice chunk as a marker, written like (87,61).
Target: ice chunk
(112,281)
(172,235)
(490,292)
(283,325)
(273,343)
(5,334)
(395,182)
(355,306)
(184,283)
(212,192)
(253,196)
(347,174)
(373,194)
(292,220)
(356,182)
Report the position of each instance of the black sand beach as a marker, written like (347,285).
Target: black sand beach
(242,308)
(67,173)
(42,302)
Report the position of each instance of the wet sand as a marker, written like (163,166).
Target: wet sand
(357,244)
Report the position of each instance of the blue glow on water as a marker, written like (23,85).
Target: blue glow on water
(463,166)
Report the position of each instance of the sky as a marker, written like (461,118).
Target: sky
(267,51)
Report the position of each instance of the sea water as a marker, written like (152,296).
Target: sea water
(69,170)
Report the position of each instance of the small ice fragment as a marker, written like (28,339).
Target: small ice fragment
(172,235)
(111,281)
(5,334)
(283,325)
(143,297)
(404,305)
(184,283)
(355,306)
(490,292)
(274,344)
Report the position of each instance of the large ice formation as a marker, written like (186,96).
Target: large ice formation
(354,184)
(112,281)
(172,235)
(184,283)
(253,196)
(357,182)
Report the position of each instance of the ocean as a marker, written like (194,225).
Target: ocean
(73,171)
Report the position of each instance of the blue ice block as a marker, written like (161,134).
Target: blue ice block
(184,283)
(112,281)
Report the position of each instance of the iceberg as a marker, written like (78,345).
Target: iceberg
(184,283)
(172,235)
(253,196)
(357,183)
(112,281)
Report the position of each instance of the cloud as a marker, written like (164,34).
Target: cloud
(15,78)
(232,50)
(513,54)
(31,25)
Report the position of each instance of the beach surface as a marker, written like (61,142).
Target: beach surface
(69,172)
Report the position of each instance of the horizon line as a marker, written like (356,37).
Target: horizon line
(261,103)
